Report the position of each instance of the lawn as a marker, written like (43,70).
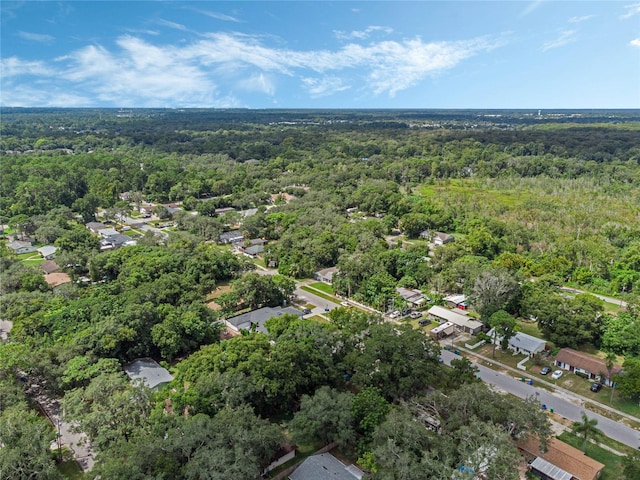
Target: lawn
(325,287)
(318,293)
(612,462)
(530,328)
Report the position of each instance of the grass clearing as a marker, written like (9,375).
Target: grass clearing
(319,293)
(325,287)
(70,470)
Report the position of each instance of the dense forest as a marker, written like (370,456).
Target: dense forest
(535,201)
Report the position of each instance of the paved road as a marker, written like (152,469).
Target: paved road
(615,301)
(565,406)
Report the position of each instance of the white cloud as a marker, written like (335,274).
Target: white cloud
(635,42)
(531,7)
(36,37)
(325,86)
(206,71)
(565,37)
(258,83)
(218,16)
(633,10)
(13,66)
(361,34)
(170,24)
(581,19)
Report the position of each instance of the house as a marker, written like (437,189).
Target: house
(49,266)
(413,297)
(325,466)
(56,279)
(117,240)
(253,251)
(255,319)
(457,301)
(233,236)
(522,343)
(326,275)
(95,227)
(560,461)
(461,321)
(442,238)
(248,212)
(443,330)
(257,241)
(585,365)
(107,232)
(425,234)
(48,252)
(21,246)
(149,372)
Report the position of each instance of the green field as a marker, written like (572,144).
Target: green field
(325,287)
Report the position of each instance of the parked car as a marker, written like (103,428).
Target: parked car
(306,311)
(557,374)
(595,387)
(344,304)
(424,321)
(395,314)
(545,370)
(415,314)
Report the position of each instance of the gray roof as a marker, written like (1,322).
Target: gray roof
(527,342)
(322,467)
(95,226)
(254,250)
(248,212)
(18,244)
(259,316)
(454,317)
(118,239)
(550,470)
(151,373)
(232,235)
(47,250)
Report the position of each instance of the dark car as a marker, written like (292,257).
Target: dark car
(306,311)
(424,321)
(595,387)
(545,370)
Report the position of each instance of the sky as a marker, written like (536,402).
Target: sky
(538,54)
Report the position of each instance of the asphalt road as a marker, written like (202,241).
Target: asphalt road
(563,405)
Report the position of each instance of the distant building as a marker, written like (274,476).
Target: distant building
(20,246)
(414,297)
(457,301)
(48,252)
(325,466)
(461,321)
(522,343)
(255,319)
(326,275)
(234,236)
(149,371)
(590,366)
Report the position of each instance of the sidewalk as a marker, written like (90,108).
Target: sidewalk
(566,393)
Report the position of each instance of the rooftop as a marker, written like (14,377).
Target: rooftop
(585,361)
(325,467)
(149,371)
(454,317)
(259,316)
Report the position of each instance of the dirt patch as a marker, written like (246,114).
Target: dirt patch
(219,290)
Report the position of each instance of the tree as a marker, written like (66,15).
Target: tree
(631,466)
(628,382)
(465,371)
(610,360)
(586,429)
(325,417)
(504,328)
(492,291)
(369,409)
(25,438)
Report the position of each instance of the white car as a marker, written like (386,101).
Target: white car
(395,314)
(344,304)
(556,375)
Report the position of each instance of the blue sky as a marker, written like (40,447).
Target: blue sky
(300,54)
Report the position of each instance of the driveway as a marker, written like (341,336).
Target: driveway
(563,404)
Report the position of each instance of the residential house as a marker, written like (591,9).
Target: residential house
(560,461)
(49,266)
(457,301)
(107,232)
(21,246)
(149,371)
(253,251)
(255,319)
(325,466)
(326,275)
(462,322)
(234,236)
(95,227)
(413,297)
(522,343)
(48,252)
(425,234)
(117,240)
(440,238)
(589,366)
(443,330)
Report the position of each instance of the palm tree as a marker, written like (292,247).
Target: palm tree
(586,429)
(610,360)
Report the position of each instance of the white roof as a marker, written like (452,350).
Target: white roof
(442,327)
(550,470)
(456,298)
(454,317)
(151,373)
